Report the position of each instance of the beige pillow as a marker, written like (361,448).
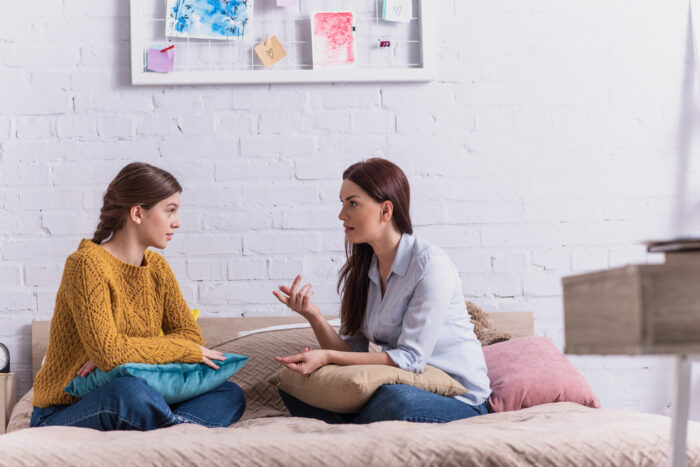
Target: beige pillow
(261,397)
(345,389)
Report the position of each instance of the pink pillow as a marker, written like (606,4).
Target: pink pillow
(531,371)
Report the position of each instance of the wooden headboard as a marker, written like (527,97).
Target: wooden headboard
(219,330)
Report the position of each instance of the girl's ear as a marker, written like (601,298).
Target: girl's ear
(387,211)
(135,214)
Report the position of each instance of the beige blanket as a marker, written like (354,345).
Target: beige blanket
(548,435)
(562,434)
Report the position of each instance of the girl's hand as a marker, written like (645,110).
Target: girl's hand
(208,355)
(298,300)
(305,362)
(86,369)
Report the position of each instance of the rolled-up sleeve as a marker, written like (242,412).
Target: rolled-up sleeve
(425,315)
(358,342)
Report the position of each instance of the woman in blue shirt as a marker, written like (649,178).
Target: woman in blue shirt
(401,293)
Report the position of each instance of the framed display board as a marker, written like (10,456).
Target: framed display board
(241,41)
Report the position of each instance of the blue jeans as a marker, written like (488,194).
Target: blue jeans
(393,402)
(128,403)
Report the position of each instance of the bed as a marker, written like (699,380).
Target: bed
(554,434)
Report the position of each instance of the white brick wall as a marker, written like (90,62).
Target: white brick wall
(546,147)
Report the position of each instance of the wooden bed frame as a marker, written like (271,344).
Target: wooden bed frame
(219,330)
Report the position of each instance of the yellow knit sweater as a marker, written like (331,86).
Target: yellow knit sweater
(111,312)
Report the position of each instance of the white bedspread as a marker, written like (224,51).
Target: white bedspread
(558,434)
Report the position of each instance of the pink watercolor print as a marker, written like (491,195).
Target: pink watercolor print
(333,39)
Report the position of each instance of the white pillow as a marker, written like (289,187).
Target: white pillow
(334,322)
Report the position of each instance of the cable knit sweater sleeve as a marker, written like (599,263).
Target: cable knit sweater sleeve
(177,318)
(94,321)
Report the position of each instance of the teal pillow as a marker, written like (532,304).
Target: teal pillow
(176,381)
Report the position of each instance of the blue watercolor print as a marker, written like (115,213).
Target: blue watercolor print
(208,19)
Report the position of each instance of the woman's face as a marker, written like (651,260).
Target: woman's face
(158,224)
(361,215)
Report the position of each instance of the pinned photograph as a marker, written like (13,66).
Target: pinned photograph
(332,39)
(208,19)
(397,10)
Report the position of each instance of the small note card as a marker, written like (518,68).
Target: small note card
(270,51)
(398,10)
(286,2)
(158,60)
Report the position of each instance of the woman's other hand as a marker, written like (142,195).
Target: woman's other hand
(298,300)
(305,362)
(208,355)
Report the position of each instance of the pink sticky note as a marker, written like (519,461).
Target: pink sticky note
(160,61)
(286,2)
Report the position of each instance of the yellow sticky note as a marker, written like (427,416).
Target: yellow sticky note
(270,51)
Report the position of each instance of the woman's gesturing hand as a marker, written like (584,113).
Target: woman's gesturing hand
(297,299)
(208,355)
(305,362)
(86,369)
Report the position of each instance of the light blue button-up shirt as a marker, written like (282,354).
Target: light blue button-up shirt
(422,318)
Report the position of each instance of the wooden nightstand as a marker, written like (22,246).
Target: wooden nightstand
(641,309)
(8,398)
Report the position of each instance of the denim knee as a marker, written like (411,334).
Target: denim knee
(219,407)
(126,403)
(394,398)
(235,398)
(135,392)
(389,402)
(235,393)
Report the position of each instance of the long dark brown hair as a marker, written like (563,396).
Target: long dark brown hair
(137,184)
(382,181)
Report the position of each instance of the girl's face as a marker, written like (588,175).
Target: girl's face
(158,224)
(361,215)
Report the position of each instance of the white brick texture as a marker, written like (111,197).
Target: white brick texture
(546,147)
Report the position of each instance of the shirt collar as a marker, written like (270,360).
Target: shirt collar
(374,270)
(401,261)
(403,255)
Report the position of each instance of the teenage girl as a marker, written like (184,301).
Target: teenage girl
(115,297)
